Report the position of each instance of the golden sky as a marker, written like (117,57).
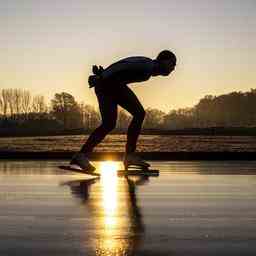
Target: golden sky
(50,46)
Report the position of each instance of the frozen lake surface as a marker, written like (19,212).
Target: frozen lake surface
(192,208)
(146,143)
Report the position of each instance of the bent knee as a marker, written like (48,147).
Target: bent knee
(140,114)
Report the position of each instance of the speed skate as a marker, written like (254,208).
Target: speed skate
(137,170)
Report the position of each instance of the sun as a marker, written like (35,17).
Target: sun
(108,167)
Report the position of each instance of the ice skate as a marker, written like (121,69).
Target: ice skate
(134,161)
(80,163)
(136,166)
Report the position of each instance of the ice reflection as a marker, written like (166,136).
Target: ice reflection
(114,210)
(109,181)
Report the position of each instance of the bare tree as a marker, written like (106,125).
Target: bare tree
(10,101)
(4,102)
(154,118)
(90,116)
(25,103)
(1,105)
(17,100)
(123,119)
(38,104)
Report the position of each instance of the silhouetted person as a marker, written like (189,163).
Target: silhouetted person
(111,88)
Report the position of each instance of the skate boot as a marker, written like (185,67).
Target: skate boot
(133,161)
(81,163)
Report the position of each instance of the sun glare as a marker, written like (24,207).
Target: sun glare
(108,171)
(108,167)
(113,199)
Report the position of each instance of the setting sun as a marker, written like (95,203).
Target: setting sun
(108,167)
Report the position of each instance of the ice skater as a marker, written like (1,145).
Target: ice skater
(111,89)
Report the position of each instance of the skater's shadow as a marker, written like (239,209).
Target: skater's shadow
(114,209)
(80,188)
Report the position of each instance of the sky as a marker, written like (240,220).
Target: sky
(49,46)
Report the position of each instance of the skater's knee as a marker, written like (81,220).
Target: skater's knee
(108,126)
(140,115)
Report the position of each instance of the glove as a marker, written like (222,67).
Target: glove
(97,70)
(94,80)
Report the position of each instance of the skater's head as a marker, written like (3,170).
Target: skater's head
(165,63)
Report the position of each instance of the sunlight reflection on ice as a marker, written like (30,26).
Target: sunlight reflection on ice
(110,204)
(109,190)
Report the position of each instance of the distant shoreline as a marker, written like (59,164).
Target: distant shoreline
(163,156)
(211,131)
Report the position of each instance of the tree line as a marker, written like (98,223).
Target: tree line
(20,110)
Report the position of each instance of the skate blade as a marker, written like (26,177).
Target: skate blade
(138,172)
(136,167)
(76,168)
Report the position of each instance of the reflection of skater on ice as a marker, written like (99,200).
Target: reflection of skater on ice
(114,214)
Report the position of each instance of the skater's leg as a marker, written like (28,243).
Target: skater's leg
(96,137)
(129,101)
(108,110)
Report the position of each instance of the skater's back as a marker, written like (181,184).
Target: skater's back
(129,70)
(133,69)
